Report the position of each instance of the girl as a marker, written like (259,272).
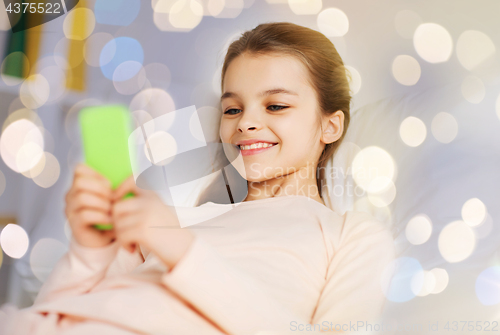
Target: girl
(280,262)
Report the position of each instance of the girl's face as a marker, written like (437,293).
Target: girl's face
(268,98)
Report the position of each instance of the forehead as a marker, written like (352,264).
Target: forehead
(253,73)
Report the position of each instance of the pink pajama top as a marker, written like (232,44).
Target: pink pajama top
(274,264)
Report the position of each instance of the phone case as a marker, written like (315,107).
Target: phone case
(105,131)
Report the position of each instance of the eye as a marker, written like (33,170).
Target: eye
(232,109)
(279,107)
(271,107)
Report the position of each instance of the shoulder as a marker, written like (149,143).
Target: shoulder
(361,228)
(363,222)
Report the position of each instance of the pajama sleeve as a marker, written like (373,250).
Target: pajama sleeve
(77,271)
(223,294)
(358,275)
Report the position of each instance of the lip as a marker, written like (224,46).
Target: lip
(252,141)
(255,151)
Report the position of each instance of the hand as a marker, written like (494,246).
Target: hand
(88,202)
(144,219)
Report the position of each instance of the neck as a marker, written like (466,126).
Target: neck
(301,182)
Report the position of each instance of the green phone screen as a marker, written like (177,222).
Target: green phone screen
(105,131)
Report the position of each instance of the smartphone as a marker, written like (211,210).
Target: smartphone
(105,131)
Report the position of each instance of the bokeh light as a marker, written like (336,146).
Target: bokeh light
(186,15)
(384,194)
(404,280)
(5,23)
(158,75)
(14,240)
(180,15)
(60,54)
(418,229)
(422,283)
(225,9)
(354,79)
(474,212)
(36,169)
(28,156)
(406,70)
(118,51)
(473,48)
(116,12)
(155,101)
(215,7)
(93,46)
(17,56)
(134,83)
(50,173)
(406,22)
(363,204)
(140,117)
(442,280)
(371,163)
(412,131)
(15,105)
(305,7)
(56,79)
(444,127)
(21,145)
(485,228)
(456,241)
(333,22)
(433,43)
(488,286)
(84,25)
(44,256)
(22,113)
(473,89)
(34,91)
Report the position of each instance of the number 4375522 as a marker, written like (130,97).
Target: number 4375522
(40,8)
(472,325)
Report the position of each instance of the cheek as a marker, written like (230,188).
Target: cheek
(225,131)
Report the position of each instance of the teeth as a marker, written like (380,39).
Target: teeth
(256,146)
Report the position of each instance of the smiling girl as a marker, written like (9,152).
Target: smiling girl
(279,262)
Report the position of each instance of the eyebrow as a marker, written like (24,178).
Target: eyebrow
(272,91)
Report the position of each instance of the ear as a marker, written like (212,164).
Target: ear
(333,127)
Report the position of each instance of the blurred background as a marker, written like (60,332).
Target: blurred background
(425,115)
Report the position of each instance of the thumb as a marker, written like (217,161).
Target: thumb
(127,186)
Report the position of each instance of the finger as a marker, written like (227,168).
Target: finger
(128,185)
(126,222)
(92,185)
(87,200)
(82,169)
(89,217)
(125,207)
(127,238)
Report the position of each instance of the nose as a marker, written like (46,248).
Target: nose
(240,129)
(248,122)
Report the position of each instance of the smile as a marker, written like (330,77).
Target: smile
(253,151)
